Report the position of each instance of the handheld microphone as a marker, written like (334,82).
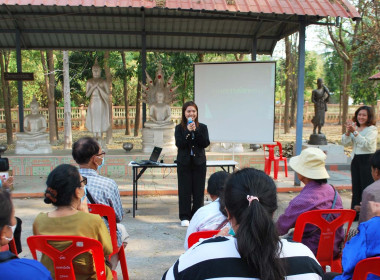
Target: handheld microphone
(189,121)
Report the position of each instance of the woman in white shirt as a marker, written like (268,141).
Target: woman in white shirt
(362,132)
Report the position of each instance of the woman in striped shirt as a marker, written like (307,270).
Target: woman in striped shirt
(253,249)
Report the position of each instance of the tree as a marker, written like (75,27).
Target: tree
(67,110)
(345,38)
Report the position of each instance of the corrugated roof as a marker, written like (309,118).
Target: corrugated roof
(322,8)
(228,26)
(375,77)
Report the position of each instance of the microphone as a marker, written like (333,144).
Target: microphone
(189,121)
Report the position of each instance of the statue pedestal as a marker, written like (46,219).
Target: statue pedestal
(158,137)
(220,147)
(317,139)
(335,153)
(33,146)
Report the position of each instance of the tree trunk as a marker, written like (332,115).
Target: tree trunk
(138,109)
(109,82)
(201,57)
(7,100)
(51,98)
(67,101)
(346,89)
(125,91)
(287,84)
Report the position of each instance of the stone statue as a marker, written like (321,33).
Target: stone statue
(159,97)
(159,130)
(319,97)
(98,116)
(34,139)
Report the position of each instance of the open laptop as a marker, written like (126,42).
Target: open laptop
(153,157)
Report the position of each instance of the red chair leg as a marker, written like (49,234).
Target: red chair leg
(267,166)
(123,263)
(276,163)
(286,167)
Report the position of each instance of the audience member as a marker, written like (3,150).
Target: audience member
(254,250)
(363,245)
(88,154)
(316,194)
(362,133)
(66,189)
(7,185)
(210,217)
(12,267)
(372,192)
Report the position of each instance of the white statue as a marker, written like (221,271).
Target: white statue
(159,97)
(34,139)
(159,130)
(98,117)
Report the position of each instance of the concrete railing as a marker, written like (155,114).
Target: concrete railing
(78,115)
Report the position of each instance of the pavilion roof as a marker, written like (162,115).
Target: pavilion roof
(171,25)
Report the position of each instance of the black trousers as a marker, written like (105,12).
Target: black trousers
(361,177)
(191,185)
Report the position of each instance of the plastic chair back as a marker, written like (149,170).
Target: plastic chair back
(195,236)
(365,267)
(63,260)
(328,228)
(108,212)
(279,145)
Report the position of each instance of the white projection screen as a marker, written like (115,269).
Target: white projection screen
(236,100)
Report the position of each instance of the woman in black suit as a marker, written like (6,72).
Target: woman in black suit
(191,139)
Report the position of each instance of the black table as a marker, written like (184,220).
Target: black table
(138,171)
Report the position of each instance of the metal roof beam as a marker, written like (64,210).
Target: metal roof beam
(138,33)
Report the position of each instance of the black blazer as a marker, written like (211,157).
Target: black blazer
(185,143)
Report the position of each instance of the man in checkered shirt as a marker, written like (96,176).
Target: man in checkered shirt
(89,156)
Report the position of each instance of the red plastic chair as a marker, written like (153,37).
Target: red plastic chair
(63,260)
(276,160)
(107,211)
(365,267)
(195,236)
(328,228)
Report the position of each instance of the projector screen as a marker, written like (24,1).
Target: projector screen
(236,100)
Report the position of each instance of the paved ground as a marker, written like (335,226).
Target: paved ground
(156,237)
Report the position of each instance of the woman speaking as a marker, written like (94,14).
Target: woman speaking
(191,139)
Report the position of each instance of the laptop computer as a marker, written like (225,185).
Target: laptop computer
(153,157)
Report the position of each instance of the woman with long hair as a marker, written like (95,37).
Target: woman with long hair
(191,139)
(66,190)
(362,133)
(254,251)
(11,266)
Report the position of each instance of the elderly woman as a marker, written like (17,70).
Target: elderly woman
(317,194)
(12,267)
(66,190)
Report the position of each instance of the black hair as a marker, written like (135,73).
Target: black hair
(371,116)
(215,184)
(320,181)
(257,238)
(375,160)
(84,149)
(61,185)
(184,120)
(6,208)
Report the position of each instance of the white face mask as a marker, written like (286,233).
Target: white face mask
(13,230)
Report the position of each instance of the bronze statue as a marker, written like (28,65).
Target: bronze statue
(319,97)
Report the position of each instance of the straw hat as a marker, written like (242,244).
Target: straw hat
(310,164)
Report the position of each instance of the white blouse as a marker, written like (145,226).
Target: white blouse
(364,143)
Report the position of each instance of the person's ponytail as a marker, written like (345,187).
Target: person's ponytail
(251,198)
(259,244)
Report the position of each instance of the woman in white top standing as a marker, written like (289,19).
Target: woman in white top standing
(362,132)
